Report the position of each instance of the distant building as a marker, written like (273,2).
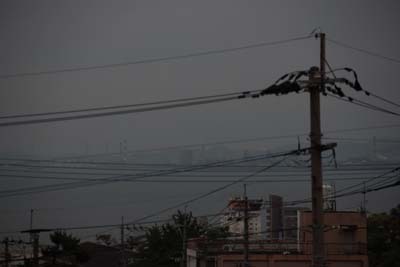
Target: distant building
(281,222)
(271,222)
(274,218)
(291,222)
(345,245)
(234,216)
(328,191)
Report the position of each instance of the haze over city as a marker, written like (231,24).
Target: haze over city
(71,55)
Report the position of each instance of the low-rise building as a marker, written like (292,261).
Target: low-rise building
(345,245)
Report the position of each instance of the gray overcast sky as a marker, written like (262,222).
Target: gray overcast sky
(46,35)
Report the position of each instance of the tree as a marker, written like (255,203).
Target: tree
(65,242)
(163,244)
(66,248)
(384,238)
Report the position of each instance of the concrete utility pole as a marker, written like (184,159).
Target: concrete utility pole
(317,85)
(246,228)
(123,256)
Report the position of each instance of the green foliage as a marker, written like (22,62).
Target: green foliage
(66,248)
(65,242)
(163,246)
(384,238)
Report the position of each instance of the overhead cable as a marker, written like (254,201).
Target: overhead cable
(121,178)
(118,112)
(374,54)
(161,102)
(155,60)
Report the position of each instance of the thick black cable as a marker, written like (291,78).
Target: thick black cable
(119,112)
(332,71)
(161,102)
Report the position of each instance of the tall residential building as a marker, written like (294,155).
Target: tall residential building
(270,221)
(281,222)
(234,217)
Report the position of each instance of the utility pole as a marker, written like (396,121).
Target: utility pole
(123,256)
(6,252)
(184,234)
(318,251)
(35,236)
(35,249)
(364,208)
(31,225)
(246,228)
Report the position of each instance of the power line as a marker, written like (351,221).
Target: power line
(246,177)
(186,202)
(361,185)
(368,93)
(73,185)
(166,180)
(384,99)
(119,112)
(389,184)
(100,205)
(77,169)
(214,190)
(126,106)
(364,104)
(155,60)
(230,163)
(371,106)
(380,140)
(139,221)
(222,171)
(97,226)
(395,60)
(233,141)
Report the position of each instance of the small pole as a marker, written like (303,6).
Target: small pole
(36,249)
(31,225)
(123,242)
(6,252)
(246,228)
(364,198)
(184,237)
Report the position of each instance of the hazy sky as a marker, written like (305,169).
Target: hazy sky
(46,35)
